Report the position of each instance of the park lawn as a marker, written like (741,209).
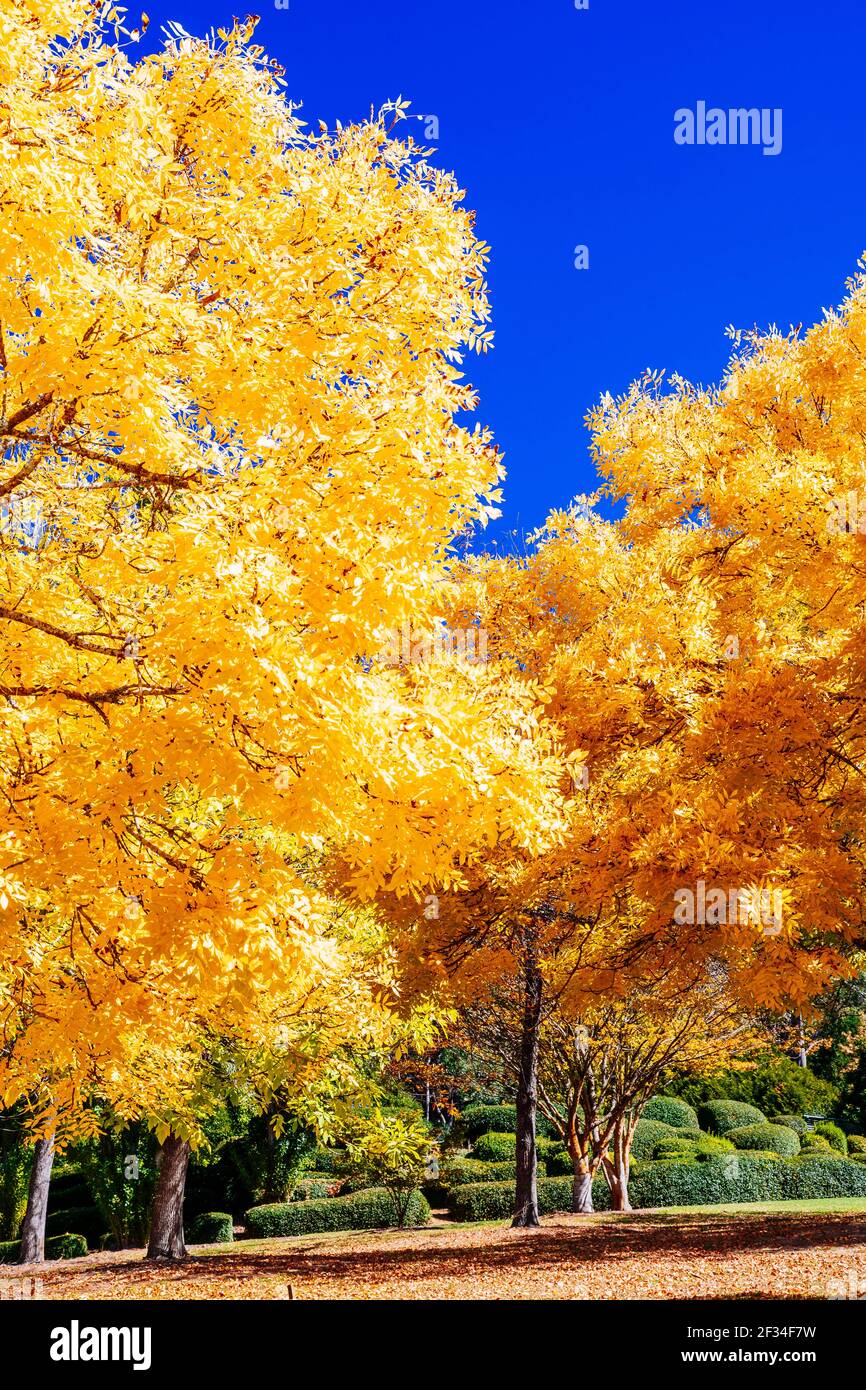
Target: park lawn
(773,1250)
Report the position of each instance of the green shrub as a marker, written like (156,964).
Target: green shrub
(698,1149)
(84,1221)
(776,1086)
(794,1122)
(63,1247)
(355,1182)
(372,1209)
(68,1246)
(856,1145)
(498,1119)
(648,1133)
(494,1148)
(69,1189)
(316,1188)
(857,1158)
(768,1137)
(464,1170)
(121,1190)
(327,1161)
(670,1110)
(494,1201)
(15,1160)
(211,1228)
(482,1119)
(815,1143)
(726,1178)
(735,1177)
(825,1175)
(558,1161)
(719,1116)
(833,1134)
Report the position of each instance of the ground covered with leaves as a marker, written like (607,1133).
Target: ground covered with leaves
(811,1251)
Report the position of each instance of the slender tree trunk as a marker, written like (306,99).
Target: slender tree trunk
(166,1222)
(617,1172)
(617,1179)
(802,1059)
(33,1227)
(526,1186)
(581,1189)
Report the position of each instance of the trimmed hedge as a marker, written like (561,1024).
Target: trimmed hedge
(83,1221)
(833,1134)
(362,1211)
(463,1170)
(746,1177)
(648,1133)
(494,1201)
(768,1137)
(697,1149)
(719,1116)
(825,1175)
(557,1161)
(498,1119)
(734,1178)
(856,1145)
(324,1185)
(68,1246)
(494,1148)
(211,1228)
(815,1143)
(794,1122)
(670,1111)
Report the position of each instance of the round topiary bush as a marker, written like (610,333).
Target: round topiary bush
(719,1116)
(670,1111)
(767,1137)
(494,1148)
(211,1228)
(833,1134)
(476,1120)
(648,1133)
(794,1122)
(463,1170)
(856,1144)
(815,1143)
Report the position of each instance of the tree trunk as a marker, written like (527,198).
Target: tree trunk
(618,1183)
(33,1228)
(581,1191)
(166,1222)
(617,1172)
(526,1186)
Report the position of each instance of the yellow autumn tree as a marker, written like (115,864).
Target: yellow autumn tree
(231,361)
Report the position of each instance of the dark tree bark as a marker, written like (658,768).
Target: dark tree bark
(166,1222)
(33,1228)
(526,1187)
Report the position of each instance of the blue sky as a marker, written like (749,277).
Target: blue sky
(559,123)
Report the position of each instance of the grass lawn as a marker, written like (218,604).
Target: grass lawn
(763,1250)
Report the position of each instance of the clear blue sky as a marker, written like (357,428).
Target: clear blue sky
(559,124)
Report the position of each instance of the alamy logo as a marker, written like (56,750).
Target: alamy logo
(719,907)
(738,126)
(76,1343)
